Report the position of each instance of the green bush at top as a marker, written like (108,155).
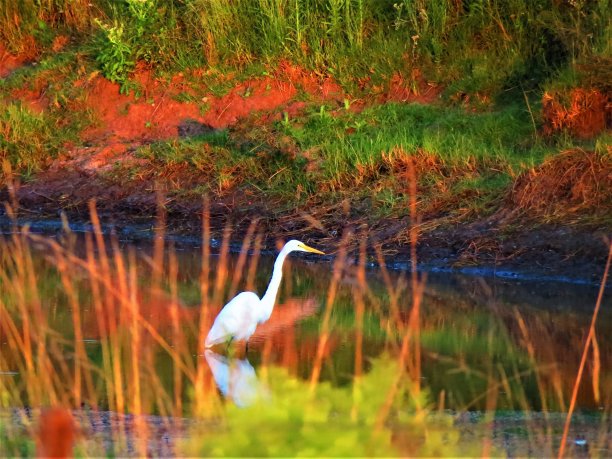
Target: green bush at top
(138,31)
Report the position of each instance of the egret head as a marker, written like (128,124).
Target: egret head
(298,246)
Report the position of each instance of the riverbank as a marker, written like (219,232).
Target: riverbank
(513,174)
(547,253)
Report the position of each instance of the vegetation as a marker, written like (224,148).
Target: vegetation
(465,161)
(491,61)
(331,110)
(470,46)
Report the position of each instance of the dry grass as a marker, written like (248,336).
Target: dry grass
(582,112)
(568,186)
(591,341)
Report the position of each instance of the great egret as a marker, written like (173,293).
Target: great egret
(239,318)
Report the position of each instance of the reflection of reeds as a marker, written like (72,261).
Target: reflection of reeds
(331,296)
(358,296)
(410,351)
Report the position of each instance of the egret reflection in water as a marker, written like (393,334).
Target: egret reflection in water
(236,379)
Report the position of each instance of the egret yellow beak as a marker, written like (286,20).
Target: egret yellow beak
(310,249)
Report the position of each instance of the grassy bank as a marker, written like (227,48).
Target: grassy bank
(465,161)
(313,104)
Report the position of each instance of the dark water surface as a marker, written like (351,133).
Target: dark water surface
(487,345)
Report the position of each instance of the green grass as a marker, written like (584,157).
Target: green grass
(354,147)
(16,444)
(28,139)
(497,55)
(471,47)
(452,134)
(222,164)
(465,161)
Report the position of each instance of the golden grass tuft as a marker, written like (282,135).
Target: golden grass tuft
(574,182)
(583,112)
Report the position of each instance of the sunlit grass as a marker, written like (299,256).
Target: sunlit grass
(467,161)
(146,354)
(485,49)
(29,140)
(346,141)
(327,153)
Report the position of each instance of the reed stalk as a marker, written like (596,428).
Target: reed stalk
(358,296)
(338,268)
(585,352)
(205,320)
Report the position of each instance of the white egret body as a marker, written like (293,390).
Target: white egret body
(239,318)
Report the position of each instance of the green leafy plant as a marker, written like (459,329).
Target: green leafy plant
(330,421)
(131,38)
(116,54)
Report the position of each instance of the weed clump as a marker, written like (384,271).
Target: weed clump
(574,183)
(25,137)
(137,34)
(582,112)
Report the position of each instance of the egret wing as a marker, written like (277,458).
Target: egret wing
(235,319)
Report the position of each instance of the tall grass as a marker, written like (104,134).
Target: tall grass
(307,30)
(26,137)
(22,20)
(347,154)
(473,46)
(30,139)
(347,142)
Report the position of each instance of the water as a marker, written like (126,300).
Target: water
(484,345)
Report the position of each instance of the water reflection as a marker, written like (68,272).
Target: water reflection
(481,344)
(236,379)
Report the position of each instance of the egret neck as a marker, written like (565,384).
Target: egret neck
(269,298)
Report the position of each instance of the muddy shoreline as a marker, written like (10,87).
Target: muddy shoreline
(504,429)
(541,253)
